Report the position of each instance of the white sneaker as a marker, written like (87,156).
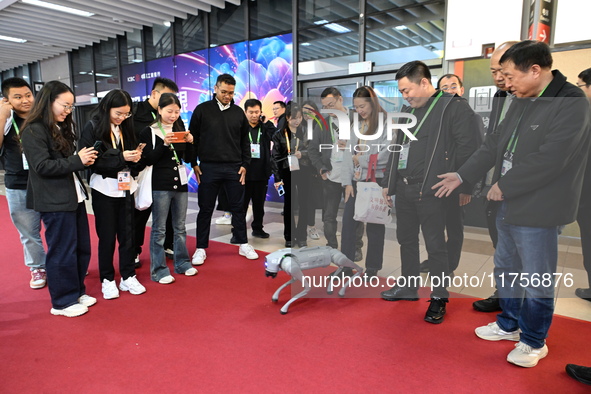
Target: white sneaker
(191,271)
(249,214)
(226,219)
(137,259)
(247,251)
(199,257)
(169,252)
(526,356)
(168,279)
(110,290)
(132,285)
(71,311)
(313,233)
(86,300)
(492,332)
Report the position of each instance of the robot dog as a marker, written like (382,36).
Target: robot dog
(294,261)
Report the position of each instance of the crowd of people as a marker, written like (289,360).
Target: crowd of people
(530,162)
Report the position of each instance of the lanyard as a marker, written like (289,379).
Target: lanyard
(153,115)
(115,142)
(171,146)
(18,132)
(515,135)
(426,114)
(258,137)
(287,141)
(331,133)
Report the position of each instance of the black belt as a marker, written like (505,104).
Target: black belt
(411,181)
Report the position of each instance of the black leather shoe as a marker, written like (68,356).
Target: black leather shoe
(234,240)
(436,310)
(400,294)
(260,234)
(579,373)
(288,244)
(491,304)
(584,294)
(425,266)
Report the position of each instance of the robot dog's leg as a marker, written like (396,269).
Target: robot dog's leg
(283,286)
(296,274)
(341,261)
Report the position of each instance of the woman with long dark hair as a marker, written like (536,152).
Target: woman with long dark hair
(113,184)
(169,187)
(284,146)
(367,159)
(55,189)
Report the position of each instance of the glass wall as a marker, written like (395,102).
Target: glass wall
(227,25)
(189,34)
(131,47)
(107,71)
(158,39)
(267,18)
(83,75)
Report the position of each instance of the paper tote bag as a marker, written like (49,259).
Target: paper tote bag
(370,205)
(143,194)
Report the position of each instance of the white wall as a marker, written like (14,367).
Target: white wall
(472,23)
(56,68)
(571,19)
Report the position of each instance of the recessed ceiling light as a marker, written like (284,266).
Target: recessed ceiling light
(401,27)
(13,39)
(166,23)
(57,7)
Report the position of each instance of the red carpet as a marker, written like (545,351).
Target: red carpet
(219,332)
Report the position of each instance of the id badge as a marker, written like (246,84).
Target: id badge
(124,180)
(255,151)
(25,163)
(183,174)
(294,164)
(357,174)
(507,165)
(403,158)
(337,156)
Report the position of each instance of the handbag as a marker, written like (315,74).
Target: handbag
(143,193)
(370,204)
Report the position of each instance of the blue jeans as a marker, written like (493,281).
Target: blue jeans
(162,202)
(68,254)
(522,254)
(28,224)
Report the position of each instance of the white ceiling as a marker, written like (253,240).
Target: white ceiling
(50,33)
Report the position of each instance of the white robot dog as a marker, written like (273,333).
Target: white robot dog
(294,261)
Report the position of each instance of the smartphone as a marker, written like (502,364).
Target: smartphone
(97,145)
(280,190)
(141,146)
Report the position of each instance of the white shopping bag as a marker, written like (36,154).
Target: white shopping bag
(370,205)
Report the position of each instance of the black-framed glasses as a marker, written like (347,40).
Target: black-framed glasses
(581,85)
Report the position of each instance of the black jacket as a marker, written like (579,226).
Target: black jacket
(279,154)
(543,187)
(109,160)
(15,176)
(51,186)
(260,169)
(143,116)
(455,132)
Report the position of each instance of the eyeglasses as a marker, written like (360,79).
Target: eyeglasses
(583,84)
(124,116)
(70,108)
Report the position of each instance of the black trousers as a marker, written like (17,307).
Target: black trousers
(288,216)
(140,219)
(114,223)
(584,221)
(332,193)
(414,213)
(454,227)
(302,192)
(256,191)
(218,176)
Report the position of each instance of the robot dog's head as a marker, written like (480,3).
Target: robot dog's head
(273,262)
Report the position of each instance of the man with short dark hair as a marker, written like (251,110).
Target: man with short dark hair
(279,114)
(220,131)
(452,84)
(584,214)
(14,108)
(260,134)
(144,114)
(447,132)
(539,152)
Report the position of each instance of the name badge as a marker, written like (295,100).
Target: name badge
(183,174)
(124,180)
(255,151)
(507,163)
(294,163)
(337,156)
(403,158)
(25,163)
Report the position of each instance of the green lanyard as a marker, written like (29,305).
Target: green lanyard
(258,138)
(331,134)
(426,115)
(171,146)
(515,135)
(18,132)
(153,115)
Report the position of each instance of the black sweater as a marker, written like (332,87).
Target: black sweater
(143,116)
(220,136)
(16,176)
(260,169)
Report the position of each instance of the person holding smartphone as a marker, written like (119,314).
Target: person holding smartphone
(113,183)
(284,146)
(169,187)
(55,189)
